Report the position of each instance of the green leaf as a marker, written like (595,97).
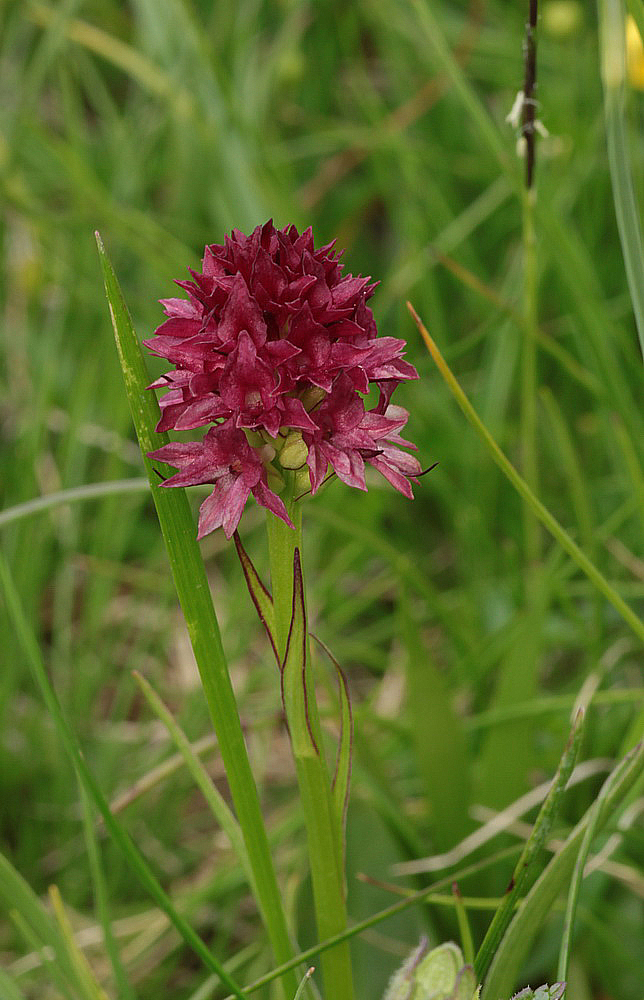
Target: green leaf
(439,974)
(542,827)
(342,776)
(37,925)
(613,66)
(259,594)
(220,810)
(438,736)
(295,682)
(323,825)
(101,895)
(92,989)
(538,903)
(523,489)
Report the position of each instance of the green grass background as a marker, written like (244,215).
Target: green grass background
(165,124)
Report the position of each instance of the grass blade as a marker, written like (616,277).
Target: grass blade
(77,494)
(121,981)
(543,825)
(214,799)
(575,884)
(36,925)
(544,515)
(91,989)
(536,906)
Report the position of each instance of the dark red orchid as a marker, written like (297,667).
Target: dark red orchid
(274,348)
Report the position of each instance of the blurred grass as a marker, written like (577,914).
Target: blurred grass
(164,125)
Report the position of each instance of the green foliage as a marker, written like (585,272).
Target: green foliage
(381,123)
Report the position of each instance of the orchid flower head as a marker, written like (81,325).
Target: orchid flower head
(274,351)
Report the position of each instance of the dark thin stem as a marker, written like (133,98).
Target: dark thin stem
(529,88)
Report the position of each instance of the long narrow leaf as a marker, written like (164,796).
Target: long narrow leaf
(220,810)
(295,683)
(575,884)
(48,957)
(323,826)
(342,776)
(542,827)
(121,980)
(538,903)
(189,574)
(92,989)
(17,895)
(77,494)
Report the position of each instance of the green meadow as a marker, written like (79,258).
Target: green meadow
(471,627)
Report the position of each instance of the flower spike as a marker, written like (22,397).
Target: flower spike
(274,351)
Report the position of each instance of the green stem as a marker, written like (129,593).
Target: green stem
(528,424)
(324,846)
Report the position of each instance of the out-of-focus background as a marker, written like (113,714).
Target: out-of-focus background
(381,123)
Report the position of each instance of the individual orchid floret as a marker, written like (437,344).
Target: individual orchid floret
(274,351)
(224,458)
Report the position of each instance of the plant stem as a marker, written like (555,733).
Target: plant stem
(528,424)
(528,419)
(324,846)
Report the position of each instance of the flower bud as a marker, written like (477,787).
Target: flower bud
(440,974)
(294,451)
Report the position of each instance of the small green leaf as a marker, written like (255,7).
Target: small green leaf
(295,686)
(554,992)
(342,776)
(260,594)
